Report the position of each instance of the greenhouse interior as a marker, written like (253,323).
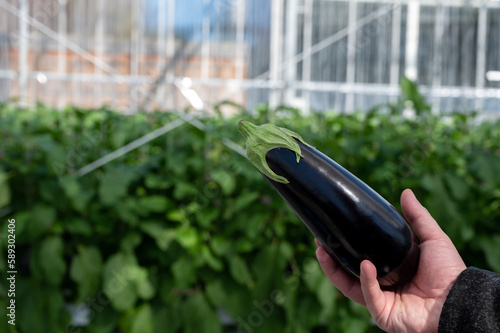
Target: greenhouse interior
(249,166)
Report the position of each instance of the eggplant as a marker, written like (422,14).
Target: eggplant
(351,221)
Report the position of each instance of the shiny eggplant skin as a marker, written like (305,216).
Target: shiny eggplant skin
(349,219)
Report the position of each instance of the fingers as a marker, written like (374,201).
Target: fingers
(373,295)
(318,244)
(423,223)
(343,281)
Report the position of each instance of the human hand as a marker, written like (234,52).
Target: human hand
(415,306)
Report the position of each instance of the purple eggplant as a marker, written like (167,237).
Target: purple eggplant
(350,220)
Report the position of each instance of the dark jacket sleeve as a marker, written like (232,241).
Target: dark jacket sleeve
(473,304)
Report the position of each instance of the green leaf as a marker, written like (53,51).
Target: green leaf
(22,222)
(199,316)
(52,261)
(312,274)
(206,216)
(105,317)
(154,203)
(458,187)
(184,190)
(42,304)
(78,226)
(225,180)
(326,294)
(145,289)
(142,321)
(113,186)
(216,291)
(184,272)
(239,271)
(130,242)
(162,235)
(154,181)
(167,319)
(410,89)
(40,221)
(70,186)
(244,200)
(484,169)
(491,251)
(78,195)
(220,245)
(187,237)
(117,281)
(4,190)
(266,279)
(212,261)
(176,215)
(86,270)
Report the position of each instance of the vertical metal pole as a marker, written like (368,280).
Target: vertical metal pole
(205,47)
(482,29)
(437,56)
(171,51)
(290,48)
(134,62)
(62,28)
(78,24)
(137,31)
(240,40)
(351,53)
(395,47)
(5,92)
(99,49)
(161,50)
(306,64)
(23,52)
(412,33)
(276,51)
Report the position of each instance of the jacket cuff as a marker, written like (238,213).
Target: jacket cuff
(473,303)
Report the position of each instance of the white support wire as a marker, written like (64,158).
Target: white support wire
(236,147)
(129,147)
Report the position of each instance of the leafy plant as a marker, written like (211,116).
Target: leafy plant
(183,235)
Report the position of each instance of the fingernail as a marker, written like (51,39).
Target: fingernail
(317,242)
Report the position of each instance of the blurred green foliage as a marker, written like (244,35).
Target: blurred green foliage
(183,233)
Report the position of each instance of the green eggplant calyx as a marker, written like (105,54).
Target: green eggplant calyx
(263,138)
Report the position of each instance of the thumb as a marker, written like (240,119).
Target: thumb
(423,223)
